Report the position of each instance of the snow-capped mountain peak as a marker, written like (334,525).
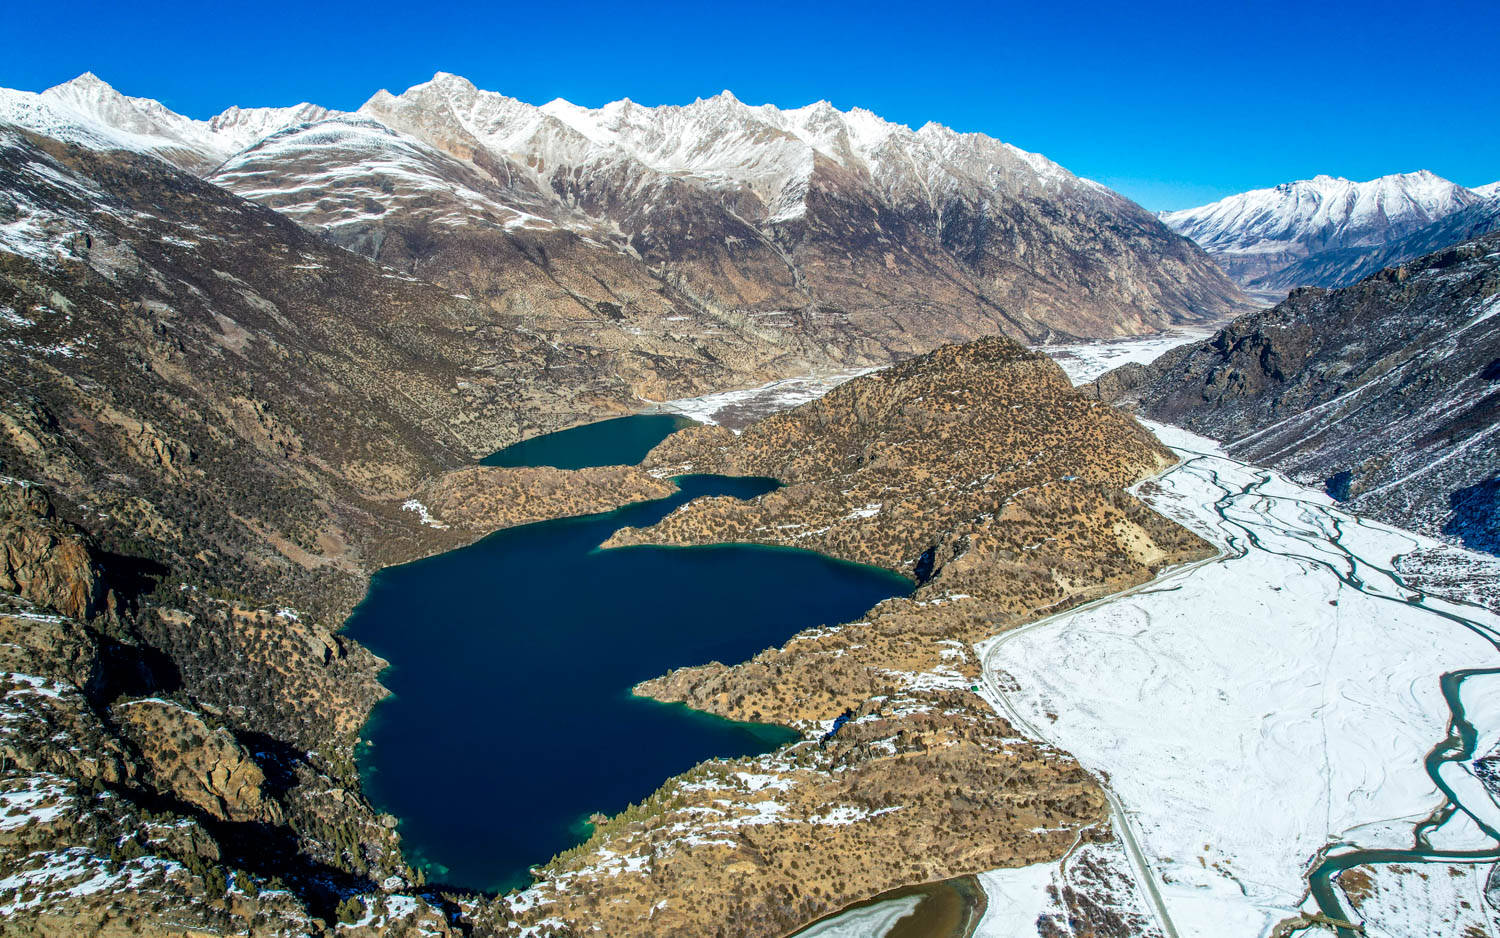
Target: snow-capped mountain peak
(714,190)
(1264,238)
(1322,212)
(87,110)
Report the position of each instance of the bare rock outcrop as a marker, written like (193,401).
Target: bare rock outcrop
(44,559)
(201,765)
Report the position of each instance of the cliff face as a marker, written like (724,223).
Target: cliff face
(978,471)
(137,791)
(40,560)
(1384,392)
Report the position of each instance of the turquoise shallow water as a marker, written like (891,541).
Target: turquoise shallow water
(512,662)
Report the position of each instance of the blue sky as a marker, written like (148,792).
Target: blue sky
(1172,103)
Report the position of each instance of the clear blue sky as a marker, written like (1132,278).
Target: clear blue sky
(1172,103)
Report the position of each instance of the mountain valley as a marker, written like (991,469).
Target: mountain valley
(1384,393)
(258,369)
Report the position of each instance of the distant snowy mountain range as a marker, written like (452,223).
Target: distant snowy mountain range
(1329,231)
(913,236)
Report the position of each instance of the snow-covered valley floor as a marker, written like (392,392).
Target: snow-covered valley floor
(1250,711)
(737,409)
(1088,360)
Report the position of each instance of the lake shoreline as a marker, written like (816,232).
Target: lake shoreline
(527,575)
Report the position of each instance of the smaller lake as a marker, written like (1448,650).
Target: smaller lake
(512,660)
(623,441)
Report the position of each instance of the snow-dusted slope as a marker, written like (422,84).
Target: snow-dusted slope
(89,112)
(347,171)
(1256,234)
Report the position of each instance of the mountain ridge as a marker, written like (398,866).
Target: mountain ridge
(752,209)
(1322,231)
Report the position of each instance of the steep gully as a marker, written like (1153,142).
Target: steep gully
(1322,537)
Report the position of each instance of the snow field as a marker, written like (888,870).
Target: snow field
(1250,711)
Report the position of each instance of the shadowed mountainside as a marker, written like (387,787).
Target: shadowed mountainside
(1387,392)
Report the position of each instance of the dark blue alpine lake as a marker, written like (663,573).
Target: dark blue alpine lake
(512,662)
(623,441)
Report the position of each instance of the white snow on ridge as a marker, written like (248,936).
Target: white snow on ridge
(1251,710)
(716,142)
(1319,213)
(87,111)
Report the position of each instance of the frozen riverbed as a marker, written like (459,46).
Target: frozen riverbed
(738,409)
(1086,361)
(1248,712)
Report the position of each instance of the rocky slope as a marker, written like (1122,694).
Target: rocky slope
(1385,392)
(239,399)
(980,472)
(142,791)
(577,288)
(221,425)
(1326,231)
